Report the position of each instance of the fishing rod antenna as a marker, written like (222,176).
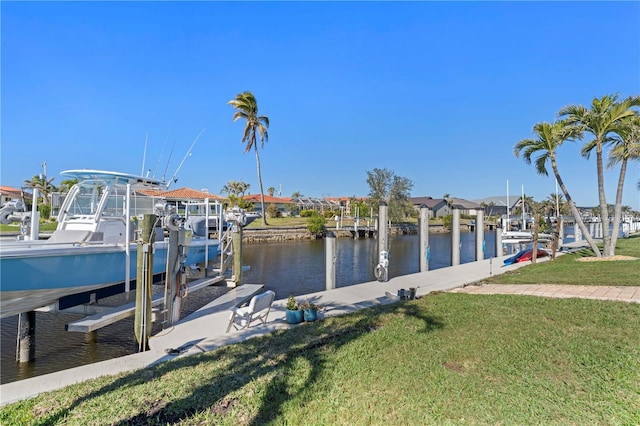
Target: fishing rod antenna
(187,155)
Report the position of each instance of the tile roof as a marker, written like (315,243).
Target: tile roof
(180,194)
(9,189)
(255,198)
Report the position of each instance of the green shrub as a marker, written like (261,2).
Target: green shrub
(315,224)
(45,211)
(446,221)
(307,213)
(272,211)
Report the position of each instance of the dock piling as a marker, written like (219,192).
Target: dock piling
(26,345)
(499,251)
(455,237)
(330,260)
(480,245)
(382,269)
(424,238)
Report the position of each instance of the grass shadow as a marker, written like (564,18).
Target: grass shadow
(271,359)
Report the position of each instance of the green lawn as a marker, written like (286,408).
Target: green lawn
(443,359)
(15,228)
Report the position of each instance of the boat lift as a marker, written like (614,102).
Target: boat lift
(169,304)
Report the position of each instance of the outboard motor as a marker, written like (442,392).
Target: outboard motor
(164,209)
(236,216)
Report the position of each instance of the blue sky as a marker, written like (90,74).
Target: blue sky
(437,92)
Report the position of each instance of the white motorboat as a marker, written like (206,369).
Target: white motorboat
(515,237)
(93,250)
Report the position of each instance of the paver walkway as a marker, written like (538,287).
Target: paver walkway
(619,293)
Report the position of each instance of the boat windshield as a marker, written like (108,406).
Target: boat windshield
(86,200)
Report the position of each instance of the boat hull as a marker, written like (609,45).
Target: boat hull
(40,274)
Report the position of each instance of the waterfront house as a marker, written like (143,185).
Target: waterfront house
(8,193)
(181,196)
(285,205)
(439,207)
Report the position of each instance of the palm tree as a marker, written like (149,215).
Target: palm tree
(236,188)
(548,208)
(43,185)
(606,116)
(626,147)
(491,205)
(549,137)
(447,199)
(247,108)
(271,190)
(66,184)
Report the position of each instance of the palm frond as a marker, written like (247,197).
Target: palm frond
(587,148)
(541,163)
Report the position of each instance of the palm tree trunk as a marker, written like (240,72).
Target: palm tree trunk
(575,212)
(604,211)
(264,212)
(618,210)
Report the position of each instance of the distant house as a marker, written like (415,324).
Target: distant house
(189,194)
(345,204)
(284,205)
(439,207)
(179,197)
(8,193)
(497,206)
(317,204)
(466,207)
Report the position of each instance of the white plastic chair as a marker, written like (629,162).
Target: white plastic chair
(258,309)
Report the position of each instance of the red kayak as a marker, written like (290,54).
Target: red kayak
(524,256)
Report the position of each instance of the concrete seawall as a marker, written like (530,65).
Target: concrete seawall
(297,233)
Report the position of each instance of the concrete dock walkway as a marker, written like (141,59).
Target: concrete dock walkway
(204,330)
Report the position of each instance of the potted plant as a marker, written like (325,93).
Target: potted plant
(310,310)
(294,314)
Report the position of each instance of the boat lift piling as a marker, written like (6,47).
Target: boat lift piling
(237,255)
(237,219)
(176,277)
(142,322)
(26,342)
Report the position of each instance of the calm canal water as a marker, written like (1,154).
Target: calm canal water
(286,268)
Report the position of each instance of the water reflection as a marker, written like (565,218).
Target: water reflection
(298,267)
